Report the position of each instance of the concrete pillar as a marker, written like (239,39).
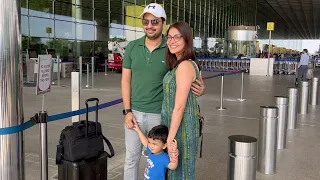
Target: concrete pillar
(11,104)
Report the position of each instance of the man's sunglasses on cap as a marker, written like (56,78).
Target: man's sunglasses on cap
(153,21)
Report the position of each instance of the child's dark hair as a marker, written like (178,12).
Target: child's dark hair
(159,132)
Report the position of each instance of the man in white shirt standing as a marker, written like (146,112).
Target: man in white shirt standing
(303,66)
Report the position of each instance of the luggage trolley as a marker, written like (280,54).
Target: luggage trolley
(291,67)
(229,64)
(211,64)
(276,66)
(247,62)
(218,63)
(200,61)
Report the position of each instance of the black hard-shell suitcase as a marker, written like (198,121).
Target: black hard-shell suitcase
(91,169)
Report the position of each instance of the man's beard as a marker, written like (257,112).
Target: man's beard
(154,36)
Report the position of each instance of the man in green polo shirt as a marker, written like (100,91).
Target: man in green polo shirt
(142,74)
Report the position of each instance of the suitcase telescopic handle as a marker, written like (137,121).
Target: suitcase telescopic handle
(87,113)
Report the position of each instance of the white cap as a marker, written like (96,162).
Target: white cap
(154,9)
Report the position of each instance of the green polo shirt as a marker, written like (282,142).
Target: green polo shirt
(147,72)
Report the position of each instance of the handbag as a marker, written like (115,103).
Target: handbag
(201,125)
(200,119)
(82,140)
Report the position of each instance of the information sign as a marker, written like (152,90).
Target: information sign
(270,26)
(44,74)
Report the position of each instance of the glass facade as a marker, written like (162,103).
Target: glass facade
(84,27)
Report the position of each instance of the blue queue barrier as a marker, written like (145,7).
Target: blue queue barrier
(33,120)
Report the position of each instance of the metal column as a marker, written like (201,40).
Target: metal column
(314,91)
(221,95)
(293,108)
(92,71)
(11,104)
(242,157)
(267,158)
(43,119)
(282,104)
(75,94)
(304,95)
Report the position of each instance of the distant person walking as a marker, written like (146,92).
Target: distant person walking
(303,66)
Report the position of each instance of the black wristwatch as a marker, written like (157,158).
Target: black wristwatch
(126,111)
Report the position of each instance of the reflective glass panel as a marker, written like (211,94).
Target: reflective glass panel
(41,8)
(140,2)
(116,20)
(66,30)
(24,5)
(41,44)
(84,16)
(24,26)
(130,23)
(101,5)
(40,27)
(85,32)
(130,35)
(116,34)
(85,48)
(64,11)
(65,48)
(101,18)
(102,33)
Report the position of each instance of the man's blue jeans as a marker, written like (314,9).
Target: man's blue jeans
(302,73)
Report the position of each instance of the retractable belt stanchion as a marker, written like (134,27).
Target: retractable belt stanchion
(92,71)
(267,157)
(221,95)
(80,70)
(241,93)
(43,119)
(314,91)
(58,64)
(304,95)
(88,73)
(105,66)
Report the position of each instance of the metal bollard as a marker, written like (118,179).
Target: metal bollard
(241,93)
(43,119)
(92,71)
(105,66)
(88,72)
(304,95)
(282,104)
(314,91)
(221,95)
(80,70)
(75,94)
(293,108)
(242,157)
(268,139)
(58,73)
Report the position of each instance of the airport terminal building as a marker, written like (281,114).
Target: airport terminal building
(84,27)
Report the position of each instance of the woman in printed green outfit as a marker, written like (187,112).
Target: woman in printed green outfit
(180,107)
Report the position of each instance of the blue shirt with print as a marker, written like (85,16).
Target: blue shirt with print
(156,166)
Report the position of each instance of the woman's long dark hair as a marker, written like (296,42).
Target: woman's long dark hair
(188,53)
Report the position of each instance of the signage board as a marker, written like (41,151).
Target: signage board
(270,26)
(44,74)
